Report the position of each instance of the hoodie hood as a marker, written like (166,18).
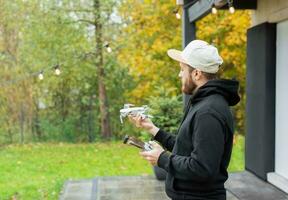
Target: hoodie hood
(227,88)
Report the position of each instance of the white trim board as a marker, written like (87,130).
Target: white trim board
(278,180)
(281,107)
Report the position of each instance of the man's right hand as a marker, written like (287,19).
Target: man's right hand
(146,124)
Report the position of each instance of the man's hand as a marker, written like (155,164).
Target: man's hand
(146,124)
(153,155)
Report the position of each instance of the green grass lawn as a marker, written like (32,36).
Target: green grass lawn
(38,171)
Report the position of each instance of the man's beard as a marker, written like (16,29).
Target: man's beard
(189,87)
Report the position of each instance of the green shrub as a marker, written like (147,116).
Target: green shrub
(167,111)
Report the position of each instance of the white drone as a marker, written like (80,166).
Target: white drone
(129,109)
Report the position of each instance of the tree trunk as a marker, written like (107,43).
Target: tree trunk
(36,120)
(91,135)
(21,121)
(103,103)
(10,133)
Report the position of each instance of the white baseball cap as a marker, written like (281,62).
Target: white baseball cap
(199,55)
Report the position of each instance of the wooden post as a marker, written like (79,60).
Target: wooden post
(188,34)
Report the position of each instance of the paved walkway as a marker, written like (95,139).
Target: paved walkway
(240,186)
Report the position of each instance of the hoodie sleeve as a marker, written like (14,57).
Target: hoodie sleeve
(204,161)
(166,139)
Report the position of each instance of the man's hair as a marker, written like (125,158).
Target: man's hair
(208,76)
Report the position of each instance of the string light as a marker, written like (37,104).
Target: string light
(214,10)
(108,48)
(231,7)
(57,70)
(41,76)
(179,3)
(177,14)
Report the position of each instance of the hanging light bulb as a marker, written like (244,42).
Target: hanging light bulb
(108,48)
(177,14)
(179,3)
(214,10)
(57,70)
(41,76)
(231,7)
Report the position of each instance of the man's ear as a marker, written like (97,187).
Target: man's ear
(192,74)
(197,74)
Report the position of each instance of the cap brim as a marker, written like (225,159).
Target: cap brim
(175,55)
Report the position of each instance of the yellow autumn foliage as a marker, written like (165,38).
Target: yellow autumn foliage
(152,28)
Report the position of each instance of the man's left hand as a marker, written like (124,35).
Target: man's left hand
(153,155)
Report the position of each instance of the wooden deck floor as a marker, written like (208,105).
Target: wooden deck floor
(240,186)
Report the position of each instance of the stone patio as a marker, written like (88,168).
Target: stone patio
(240,186)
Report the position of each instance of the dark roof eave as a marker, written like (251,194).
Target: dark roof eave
(199,8)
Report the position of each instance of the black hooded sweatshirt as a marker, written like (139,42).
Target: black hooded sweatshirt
(201,151)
